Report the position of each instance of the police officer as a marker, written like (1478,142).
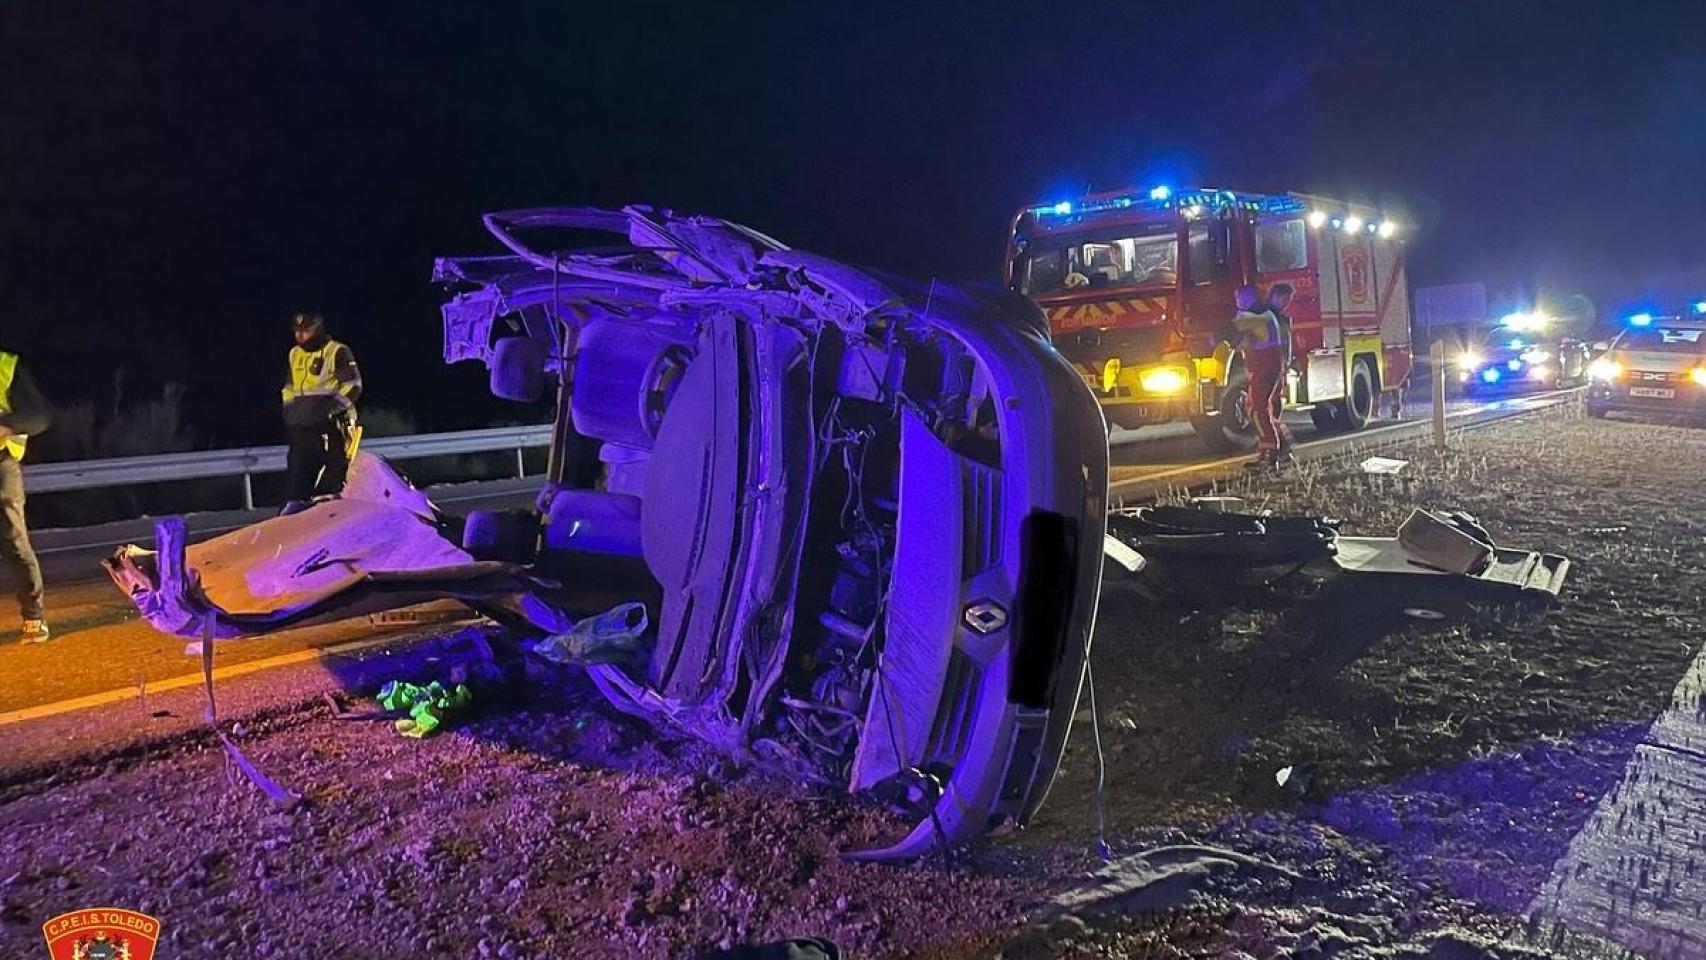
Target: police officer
(320,390)
(22,412)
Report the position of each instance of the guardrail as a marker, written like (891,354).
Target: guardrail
(245,462)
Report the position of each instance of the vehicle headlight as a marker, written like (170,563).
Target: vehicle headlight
(1535,356)
(1698,375)
(1470,360)
(1163,380)
(1605,369)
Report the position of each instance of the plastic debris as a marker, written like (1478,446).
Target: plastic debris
(426,706)
(1295,779)
(1384,465)
(802,948)
(610,637)
(1118,552)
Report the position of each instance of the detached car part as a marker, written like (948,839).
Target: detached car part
(868,514)
(379,547)
(1446,548)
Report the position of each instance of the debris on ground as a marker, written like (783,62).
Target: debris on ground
(800,948)
(1384,465)
(1188,544)
(426,706)
(611,637)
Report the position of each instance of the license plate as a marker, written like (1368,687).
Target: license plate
(1658,393)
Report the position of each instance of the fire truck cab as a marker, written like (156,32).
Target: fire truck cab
(1138,290)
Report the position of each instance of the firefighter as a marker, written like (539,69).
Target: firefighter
(22,412)
(1260,342)
(320,390)
(1279,301)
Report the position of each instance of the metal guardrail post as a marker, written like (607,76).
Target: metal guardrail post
(520,464)
(248,491)
(1436,357)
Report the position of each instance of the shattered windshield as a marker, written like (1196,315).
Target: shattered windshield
(1143,260)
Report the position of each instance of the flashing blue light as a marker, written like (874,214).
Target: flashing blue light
(1700,306)
(1063,208)
(1514,364)
(1491,375)
(1160,193)
(1641,320)
(1516,343)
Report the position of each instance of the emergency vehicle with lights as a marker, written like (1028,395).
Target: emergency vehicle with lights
(1138,290)
(1523,350)
(1656,364)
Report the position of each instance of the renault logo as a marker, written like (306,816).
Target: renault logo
(986,616)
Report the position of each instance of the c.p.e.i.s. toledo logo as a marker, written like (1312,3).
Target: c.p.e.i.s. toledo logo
(101,933)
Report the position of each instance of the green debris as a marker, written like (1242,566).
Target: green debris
(426,706)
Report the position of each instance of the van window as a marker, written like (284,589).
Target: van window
(1281,246)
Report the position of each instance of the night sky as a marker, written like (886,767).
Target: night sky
(177,178)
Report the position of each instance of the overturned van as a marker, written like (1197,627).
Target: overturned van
(866,514)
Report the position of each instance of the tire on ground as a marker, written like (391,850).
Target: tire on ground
(1231,431)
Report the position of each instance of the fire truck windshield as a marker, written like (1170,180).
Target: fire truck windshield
(1112,261)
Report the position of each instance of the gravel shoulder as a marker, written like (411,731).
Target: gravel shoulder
(1441,770)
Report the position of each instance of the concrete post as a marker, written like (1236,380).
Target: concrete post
(1436,355)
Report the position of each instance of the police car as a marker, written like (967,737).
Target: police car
(1522,351)
(1658,363)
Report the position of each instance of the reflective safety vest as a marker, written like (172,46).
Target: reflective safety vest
(13,445)
(314,373)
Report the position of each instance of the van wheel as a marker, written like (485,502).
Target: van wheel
(1232,430)
(1327,417)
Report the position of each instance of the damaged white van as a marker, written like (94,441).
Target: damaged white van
(866,515)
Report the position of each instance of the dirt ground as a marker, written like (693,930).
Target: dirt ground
(1439,768)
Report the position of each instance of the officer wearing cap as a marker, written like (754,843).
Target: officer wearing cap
(320,390)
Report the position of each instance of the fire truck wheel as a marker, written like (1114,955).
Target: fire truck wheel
(1358,407)
(1232,430)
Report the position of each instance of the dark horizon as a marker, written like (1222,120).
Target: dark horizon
(176,187)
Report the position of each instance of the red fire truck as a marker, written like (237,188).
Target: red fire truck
(1138,290)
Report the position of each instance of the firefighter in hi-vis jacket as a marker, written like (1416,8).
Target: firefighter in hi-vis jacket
(320,390)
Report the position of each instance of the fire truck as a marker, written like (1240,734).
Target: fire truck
(1138,290)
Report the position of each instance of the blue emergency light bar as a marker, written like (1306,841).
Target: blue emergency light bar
(1700,306)
(1641,320)
(1163,198)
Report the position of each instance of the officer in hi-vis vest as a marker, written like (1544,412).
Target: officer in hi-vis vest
(320,390)
(22,412)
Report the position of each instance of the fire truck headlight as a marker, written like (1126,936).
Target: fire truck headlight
(1469,361)
(1163,380)
(1698,375)
(1605,369)
(1538,373)
(1387,229)
(1353,224)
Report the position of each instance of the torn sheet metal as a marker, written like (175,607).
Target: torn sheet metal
(337,559)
